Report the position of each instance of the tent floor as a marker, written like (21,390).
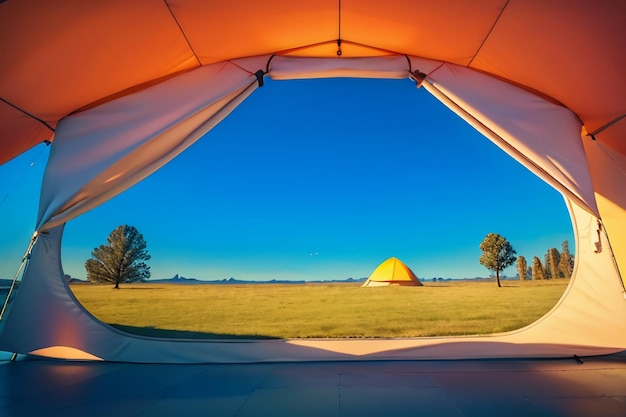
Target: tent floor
(484,388)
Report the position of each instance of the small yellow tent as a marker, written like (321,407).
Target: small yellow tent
(392,272)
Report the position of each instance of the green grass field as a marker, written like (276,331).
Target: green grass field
(320,310)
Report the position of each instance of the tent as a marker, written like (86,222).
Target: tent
(119,88)
(392,272)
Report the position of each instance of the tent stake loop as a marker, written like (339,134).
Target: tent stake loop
(259,77)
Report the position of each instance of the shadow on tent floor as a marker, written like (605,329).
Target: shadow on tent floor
(465,388)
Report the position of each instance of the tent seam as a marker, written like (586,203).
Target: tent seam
(606,125)
(182,32)
(32,116)
(334,41)
(488,33)
(240,67)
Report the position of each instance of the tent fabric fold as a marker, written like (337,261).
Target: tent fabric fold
(532,130)
(102,151)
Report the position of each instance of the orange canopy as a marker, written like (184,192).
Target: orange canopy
(59,57)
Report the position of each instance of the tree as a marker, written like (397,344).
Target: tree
(522,266)
(497,254)
(122,260)
(566,263)
(537,271)
(552,258)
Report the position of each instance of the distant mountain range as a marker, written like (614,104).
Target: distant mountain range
(194,281)
(6,283)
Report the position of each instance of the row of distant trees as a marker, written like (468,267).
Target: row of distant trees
(124,258)
(498,254)
(556,265)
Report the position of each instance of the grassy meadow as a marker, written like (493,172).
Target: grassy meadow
(320,310)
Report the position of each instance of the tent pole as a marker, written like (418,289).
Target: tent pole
(17,274)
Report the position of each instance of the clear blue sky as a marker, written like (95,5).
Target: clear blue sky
(315,179)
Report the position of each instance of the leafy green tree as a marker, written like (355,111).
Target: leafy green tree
(537,269)
(522,266)
(497,254)
(566,263)
(122,260)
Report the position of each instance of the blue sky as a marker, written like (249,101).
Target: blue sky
(313,179)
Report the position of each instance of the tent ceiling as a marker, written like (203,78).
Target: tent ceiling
(58,57)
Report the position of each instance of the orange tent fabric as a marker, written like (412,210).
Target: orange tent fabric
(60,57)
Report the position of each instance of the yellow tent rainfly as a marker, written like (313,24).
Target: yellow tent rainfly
(392,272)
(121,87)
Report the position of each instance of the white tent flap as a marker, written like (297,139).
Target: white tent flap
(100,152)
(538,133)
